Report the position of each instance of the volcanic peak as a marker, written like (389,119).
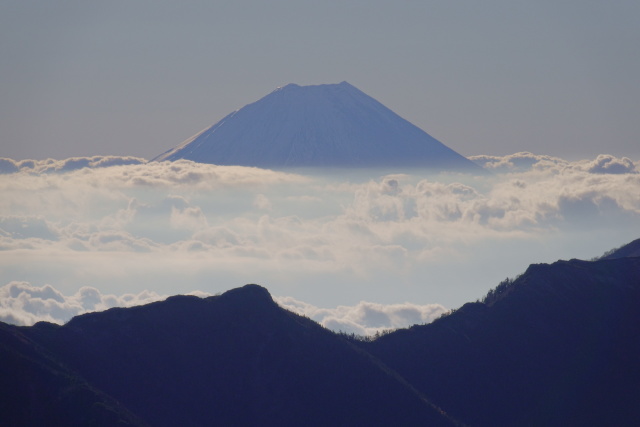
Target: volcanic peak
(328,125)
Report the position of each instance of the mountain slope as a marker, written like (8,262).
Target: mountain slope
(629,250)
(37,390)
(558,346)
(332,125)
(234,359)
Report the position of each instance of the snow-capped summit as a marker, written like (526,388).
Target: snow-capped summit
(331,125)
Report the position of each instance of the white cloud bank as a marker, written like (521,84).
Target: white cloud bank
(525,161)
(66,165)
(124,225)
(24,304)
(366,318)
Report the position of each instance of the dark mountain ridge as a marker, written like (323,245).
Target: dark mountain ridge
(556,346)
(233,359)
(629,250)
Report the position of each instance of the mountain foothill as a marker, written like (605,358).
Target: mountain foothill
(558,345)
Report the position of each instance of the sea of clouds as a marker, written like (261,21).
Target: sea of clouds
(86,234)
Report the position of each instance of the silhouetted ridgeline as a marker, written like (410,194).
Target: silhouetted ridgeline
(556,346)
(559,346)
(629,250)
(234,359)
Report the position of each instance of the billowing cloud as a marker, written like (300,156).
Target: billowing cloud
(525,161)
(22,303)
(605,163)
(366,318)
(518,162)
(28,226)
(66,165)
(8,166)
(119,172)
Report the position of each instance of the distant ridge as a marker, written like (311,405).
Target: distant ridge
(331,125)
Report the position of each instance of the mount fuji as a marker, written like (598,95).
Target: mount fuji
(331,125)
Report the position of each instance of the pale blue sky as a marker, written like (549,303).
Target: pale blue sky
(492,77)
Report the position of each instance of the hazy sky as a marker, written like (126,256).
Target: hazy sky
(135,78)
(492,77)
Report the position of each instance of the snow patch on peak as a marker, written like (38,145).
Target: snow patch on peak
(325,86)
(286,87)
